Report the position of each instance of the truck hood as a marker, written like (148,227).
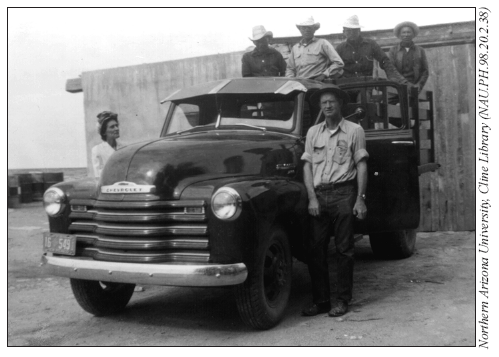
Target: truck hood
(175,162)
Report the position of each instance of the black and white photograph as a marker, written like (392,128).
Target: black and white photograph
(250,176)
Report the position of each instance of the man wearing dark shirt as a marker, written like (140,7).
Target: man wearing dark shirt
(263,61)
(409,58)
(358,54)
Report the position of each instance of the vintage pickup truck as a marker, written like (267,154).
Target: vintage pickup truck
(218,199)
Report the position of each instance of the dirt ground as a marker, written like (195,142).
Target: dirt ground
(426,300)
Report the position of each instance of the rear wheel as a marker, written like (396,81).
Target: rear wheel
(101,298)
(262,298)
(393,245)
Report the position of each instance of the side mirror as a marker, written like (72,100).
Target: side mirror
(358,114)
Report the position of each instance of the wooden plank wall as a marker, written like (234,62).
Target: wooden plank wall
(447,196)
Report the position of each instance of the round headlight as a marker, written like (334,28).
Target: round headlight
(226,203)
(53,201)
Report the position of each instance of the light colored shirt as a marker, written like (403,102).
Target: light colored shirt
(334,156)
(100,154)
(313,59)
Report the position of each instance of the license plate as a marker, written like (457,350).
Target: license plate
(59,243)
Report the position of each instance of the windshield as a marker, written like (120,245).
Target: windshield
(273,112)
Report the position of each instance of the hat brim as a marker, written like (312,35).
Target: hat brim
(317,25)
(266,34)
(316,96)
(398,28)
(349,26)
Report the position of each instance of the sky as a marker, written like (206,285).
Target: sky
(47,46)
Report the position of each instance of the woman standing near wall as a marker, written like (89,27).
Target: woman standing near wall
(109,130)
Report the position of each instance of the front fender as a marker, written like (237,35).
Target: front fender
(264,203)
(86,189)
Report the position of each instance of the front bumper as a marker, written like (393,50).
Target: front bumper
(146,274)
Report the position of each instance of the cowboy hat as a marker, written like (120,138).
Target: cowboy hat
(352,22)
(412,25)
(329,88)
(259,32)
(309,22)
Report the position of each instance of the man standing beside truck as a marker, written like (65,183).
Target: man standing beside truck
(335,175)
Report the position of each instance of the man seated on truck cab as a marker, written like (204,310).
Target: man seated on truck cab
(312,57)
(335,175)
(409,59)
(263,61)
(358,54)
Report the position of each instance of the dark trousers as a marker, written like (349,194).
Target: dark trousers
(336,217)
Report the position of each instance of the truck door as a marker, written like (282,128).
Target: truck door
(381,108)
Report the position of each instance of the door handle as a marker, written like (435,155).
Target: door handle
(403,143)
(285,166)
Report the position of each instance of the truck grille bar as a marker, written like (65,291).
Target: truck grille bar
(141,232)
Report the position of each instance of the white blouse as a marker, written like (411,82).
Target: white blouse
(100,154)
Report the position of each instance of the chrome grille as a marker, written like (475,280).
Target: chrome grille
(141,232)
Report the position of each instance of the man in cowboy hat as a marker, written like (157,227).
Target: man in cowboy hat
(359,53)
(335,175)
(263,61)
(312,57)
(409,59)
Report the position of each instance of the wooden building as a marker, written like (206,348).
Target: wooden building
(447,196)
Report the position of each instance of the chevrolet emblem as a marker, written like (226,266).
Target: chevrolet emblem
(128,187)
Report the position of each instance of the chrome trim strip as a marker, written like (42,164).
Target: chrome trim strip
(290,86)
(125,187)
(143,244)
(131,217)
(136,230)
(137,257)
(219,87)
(147,274)
(404,143)
(285,166)
(171,95)
(138,204)
(149,204)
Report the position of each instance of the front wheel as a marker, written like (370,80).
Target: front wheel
(393,245)
(101,298)
(262,298)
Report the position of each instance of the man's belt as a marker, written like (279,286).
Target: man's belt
(332,186)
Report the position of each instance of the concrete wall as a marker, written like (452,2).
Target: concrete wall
(135,93)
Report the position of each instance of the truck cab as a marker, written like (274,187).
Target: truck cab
(218,199)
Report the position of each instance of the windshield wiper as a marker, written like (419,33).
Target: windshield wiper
(198,126)
(249,126)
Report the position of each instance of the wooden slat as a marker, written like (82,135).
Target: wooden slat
(425,156)
(424,134)
(425,124)
(73,85)
(423,114)
(425,144)
(424,104)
